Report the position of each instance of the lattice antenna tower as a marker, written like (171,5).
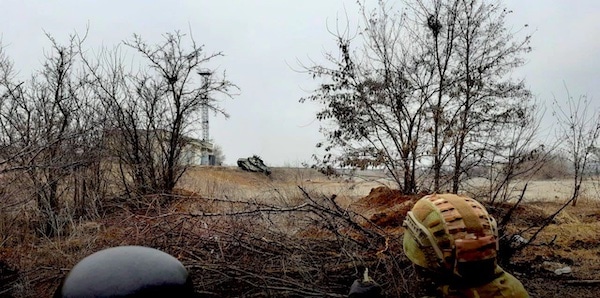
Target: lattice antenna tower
(205,80)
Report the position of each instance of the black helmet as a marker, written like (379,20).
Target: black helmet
(127,271)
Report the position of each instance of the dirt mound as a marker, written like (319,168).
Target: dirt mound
(383,196)
(386,207)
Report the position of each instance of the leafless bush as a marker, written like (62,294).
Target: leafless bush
(314,248)
(48,133)
(63,129)
(579,129)
(257,252)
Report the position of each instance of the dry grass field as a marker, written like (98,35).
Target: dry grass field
(298,233)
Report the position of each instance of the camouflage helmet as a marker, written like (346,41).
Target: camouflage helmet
(451,234)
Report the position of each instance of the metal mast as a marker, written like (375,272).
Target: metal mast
(205,76)
(205,136)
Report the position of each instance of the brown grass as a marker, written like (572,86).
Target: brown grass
(241,232)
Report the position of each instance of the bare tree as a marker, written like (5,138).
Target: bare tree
(436,68)
(437,21)
(488,99)
(579,128)
(154,108)
(58,128)
(473,54)
(368,97)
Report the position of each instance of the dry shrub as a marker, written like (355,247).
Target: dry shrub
(252,255)
(236,248)
(299,244)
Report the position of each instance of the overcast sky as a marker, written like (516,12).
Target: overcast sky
(262,42)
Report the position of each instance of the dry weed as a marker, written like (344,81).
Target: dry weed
(242,234)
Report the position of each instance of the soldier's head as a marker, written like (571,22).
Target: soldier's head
(127,271)
(453,236)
